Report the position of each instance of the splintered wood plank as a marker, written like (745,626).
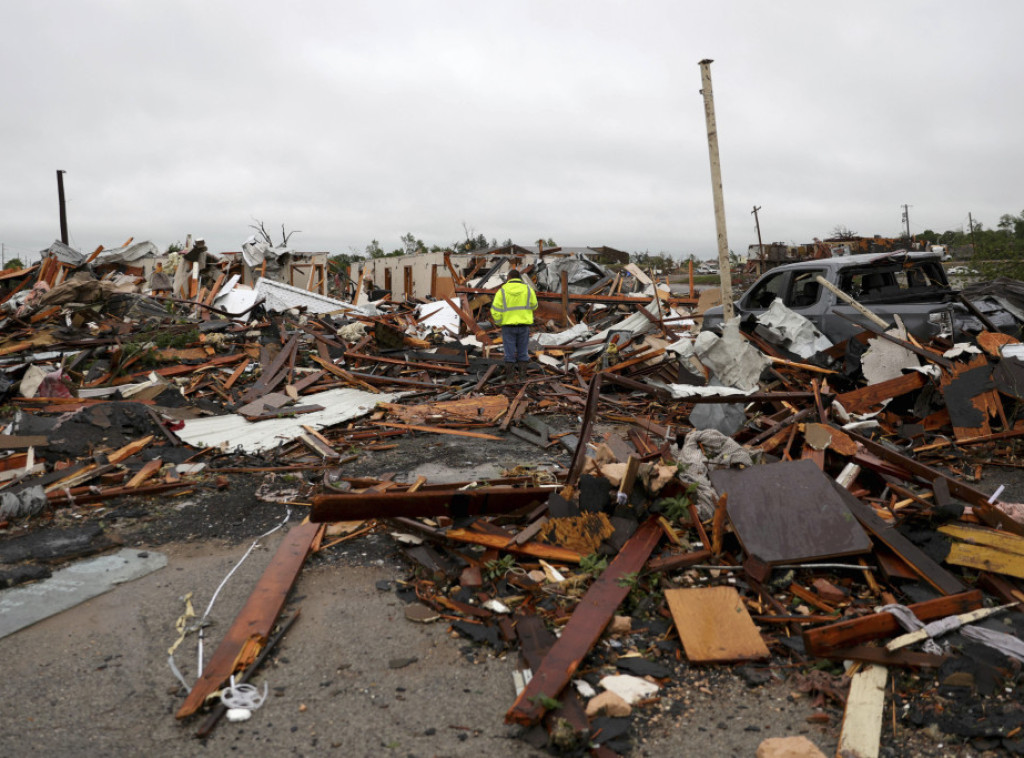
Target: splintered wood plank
(487,408)
(587,623)
(505,543)
(256,619)
(979,535)
(987,512)
(714,625)
(862,722)
(789,512)
(986,558)
(144,473)
(436,430)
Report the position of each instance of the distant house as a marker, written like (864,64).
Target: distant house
(307,271)
(429,275)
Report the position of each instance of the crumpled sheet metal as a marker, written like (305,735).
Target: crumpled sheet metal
(696,465)
(732,359)
(545,339)
(636,323)
(884,360)
(795,333)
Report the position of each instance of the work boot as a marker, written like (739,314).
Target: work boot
(510,373)
(521,369)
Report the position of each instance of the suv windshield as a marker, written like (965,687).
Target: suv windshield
(897,281)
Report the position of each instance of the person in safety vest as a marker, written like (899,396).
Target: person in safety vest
(512,309)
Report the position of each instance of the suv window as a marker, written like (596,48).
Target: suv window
(764,292)
(892,281)
(804,290)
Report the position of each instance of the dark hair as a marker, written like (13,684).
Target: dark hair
(512,274)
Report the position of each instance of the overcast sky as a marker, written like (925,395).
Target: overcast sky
(578,121)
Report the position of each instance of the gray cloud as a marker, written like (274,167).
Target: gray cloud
(580,121)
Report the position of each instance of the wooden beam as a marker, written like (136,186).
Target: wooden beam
(588,622)
(450,502)
(863,398)
(255,621)
(825,639)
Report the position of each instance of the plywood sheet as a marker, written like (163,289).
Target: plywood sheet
(970,397)
(714,625)
(789,512)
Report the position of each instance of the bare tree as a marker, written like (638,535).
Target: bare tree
(842,232)
(262,231)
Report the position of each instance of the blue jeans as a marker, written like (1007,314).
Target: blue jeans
(516,341)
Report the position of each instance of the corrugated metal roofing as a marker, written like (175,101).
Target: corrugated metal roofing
(234,431)
(280,297)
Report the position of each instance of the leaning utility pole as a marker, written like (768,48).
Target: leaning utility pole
(906,221)
(63,209)
(974,245)
(760,245)
(724,273)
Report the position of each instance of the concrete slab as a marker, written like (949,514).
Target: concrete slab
(23,606)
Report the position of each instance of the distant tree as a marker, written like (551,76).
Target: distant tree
(14,263)
(412,245)
(374,250)
(174,247)
(339,264)
(842,232)
(661,261)
(473,241)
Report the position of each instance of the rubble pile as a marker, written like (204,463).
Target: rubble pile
(757,497)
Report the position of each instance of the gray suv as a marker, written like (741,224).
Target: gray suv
(913,285)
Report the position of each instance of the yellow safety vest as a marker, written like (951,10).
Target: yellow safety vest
(513,304)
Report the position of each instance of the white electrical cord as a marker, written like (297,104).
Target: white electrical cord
(243,695)
(202,625)
(209,607)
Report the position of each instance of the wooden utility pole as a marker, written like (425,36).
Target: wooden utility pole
(906,221)
(724,272)
(760,245)
(974,245)
(63,209)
